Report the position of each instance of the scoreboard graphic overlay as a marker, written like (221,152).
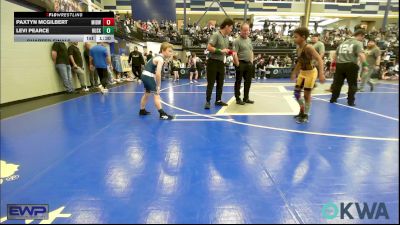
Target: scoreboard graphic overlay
(64,26)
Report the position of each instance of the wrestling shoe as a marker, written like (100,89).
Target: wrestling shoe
(143,112)
(302,119)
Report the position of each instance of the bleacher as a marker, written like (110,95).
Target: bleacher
(257,50)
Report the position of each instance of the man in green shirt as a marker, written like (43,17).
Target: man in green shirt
(373,54)
(319,47)
(218,46)
(244,64)
(347,55)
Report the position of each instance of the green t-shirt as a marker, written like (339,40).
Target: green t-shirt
(217,40)
(244,48)
(372,55)
(348,51)
(319,47)
(62,53)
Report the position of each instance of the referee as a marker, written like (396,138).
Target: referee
(218,48)
(347,55)
(244,64)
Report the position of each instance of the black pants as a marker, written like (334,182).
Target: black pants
(347,71)
(243,71)
(137,71)
(215,72)
(103,75)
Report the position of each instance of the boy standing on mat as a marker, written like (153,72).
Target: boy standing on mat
(307,74)
(151,77)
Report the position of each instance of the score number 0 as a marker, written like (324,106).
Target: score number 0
(108,21)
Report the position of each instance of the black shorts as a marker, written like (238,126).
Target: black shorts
(149,84)
(192,70)
(175,69)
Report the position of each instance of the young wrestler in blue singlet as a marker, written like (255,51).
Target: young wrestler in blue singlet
(151,78)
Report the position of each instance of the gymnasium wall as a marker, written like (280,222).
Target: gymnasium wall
(26,68)
(153,9)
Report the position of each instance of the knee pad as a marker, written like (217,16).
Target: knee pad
(297,93)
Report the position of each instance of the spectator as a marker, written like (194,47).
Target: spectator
(137,62)
(101,60)
(200,67)
(76,62)
(192,64)
(59,54)
(271,63)
(229,68)
(149,56)
(392,73)
(175,67)
(117,68)
(386,60)
(287,61)
(94,81)
(261,69)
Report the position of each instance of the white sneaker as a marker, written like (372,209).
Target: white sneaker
(191,82)
(86,89)
(196,81)
(101,89)
(264,78)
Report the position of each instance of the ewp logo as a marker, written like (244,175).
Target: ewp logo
(27,212)
(331,211)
